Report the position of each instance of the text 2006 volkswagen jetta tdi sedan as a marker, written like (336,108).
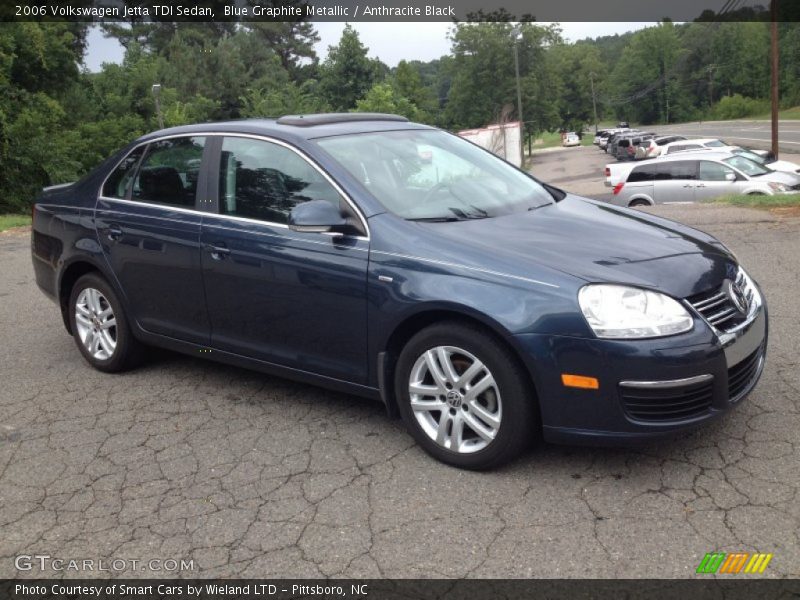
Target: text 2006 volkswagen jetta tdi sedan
(393,260)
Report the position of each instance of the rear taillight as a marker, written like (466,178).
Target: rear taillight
(608,171)
(618,187)
(631,149)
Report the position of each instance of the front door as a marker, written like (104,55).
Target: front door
(149,228)
(289,298)
(714,180)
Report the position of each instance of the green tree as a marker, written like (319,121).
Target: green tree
(347,73)
(292,42)
(483,75)
(384,98)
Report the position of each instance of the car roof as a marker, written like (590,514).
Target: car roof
(694,141)
(690,155)
(298,127)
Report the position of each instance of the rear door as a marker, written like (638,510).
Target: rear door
(285,297)
(148,224)
(675,181)
(639,185)
(714,181)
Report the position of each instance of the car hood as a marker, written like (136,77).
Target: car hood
(789,179)
(596,242)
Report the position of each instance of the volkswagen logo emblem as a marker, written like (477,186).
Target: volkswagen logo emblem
(737,296)
(454,399)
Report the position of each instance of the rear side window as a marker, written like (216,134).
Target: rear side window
(683,169)
(119,182)
(169,172)
(642,173)
(683,147)
(262,180)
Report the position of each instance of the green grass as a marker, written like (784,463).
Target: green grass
(9,221)
(759,200)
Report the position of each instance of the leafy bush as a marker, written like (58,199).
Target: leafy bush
(738,107)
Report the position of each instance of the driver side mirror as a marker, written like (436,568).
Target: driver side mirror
(730,176)
(318,216)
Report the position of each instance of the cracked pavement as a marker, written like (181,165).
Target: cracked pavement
(254,476)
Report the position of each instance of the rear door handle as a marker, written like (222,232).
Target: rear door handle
(114,232)
(218,251)
(688,185)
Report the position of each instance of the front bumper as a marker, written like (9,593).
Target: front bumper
(648,388)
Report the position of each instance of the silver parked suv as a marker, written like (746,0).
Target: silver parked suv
(698,176)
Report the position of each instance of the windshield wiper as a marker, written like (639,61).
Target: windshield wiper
(436,219)
(462,214)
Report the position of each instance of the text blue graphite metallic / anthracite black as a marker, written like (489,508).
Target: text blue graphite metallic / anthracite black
(484,325)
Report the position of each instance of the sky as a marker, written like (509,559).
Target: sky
(419,41)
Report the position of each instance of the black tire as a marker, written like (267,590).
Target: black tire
(128,351)
(637,203)
(518,427)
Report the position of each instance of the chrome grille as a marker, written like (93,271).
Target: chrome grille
(718,308)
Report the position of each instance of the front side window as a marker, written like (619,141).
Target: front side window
(711,171)
(264,181)
(715,144)
(433,175)
(118,183)
(169,172)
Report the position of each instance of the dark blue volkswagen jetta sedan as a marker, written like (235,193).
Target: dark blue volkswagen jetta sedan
(396,261)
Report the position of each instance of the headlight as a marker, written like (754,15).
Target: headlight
(618,311)
(778,187)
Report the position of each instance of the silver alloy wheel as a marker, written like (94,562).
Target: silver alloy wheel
(96,324)
(455,399)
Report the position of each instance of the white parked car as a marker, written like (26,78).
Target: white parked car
(655,146)
(571,139)
(771,163)
(688,145)
(697,176)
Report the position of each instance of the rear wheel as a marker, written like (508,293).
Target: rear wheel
(464,397)
(100,326)
(638,203)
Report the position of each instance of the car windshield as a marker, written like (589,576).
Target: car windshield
(747,166)
(436,176)
(750,155)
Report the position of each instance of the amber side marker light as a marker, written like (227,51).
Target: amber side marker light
(579,381)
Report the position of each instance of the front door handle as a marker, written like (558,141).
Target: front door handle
(114,232)
(701,185)
(218,251)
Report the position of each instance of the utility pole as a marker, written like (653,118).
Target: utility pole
(517,37)
(774,51)
(710,70)
(594,102)
(156,94)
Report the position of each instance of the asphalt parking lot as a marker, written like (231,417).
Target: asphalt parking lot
(248,475)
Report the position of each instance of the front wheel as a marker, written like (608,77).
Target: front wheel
(464,397)
(100,326)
